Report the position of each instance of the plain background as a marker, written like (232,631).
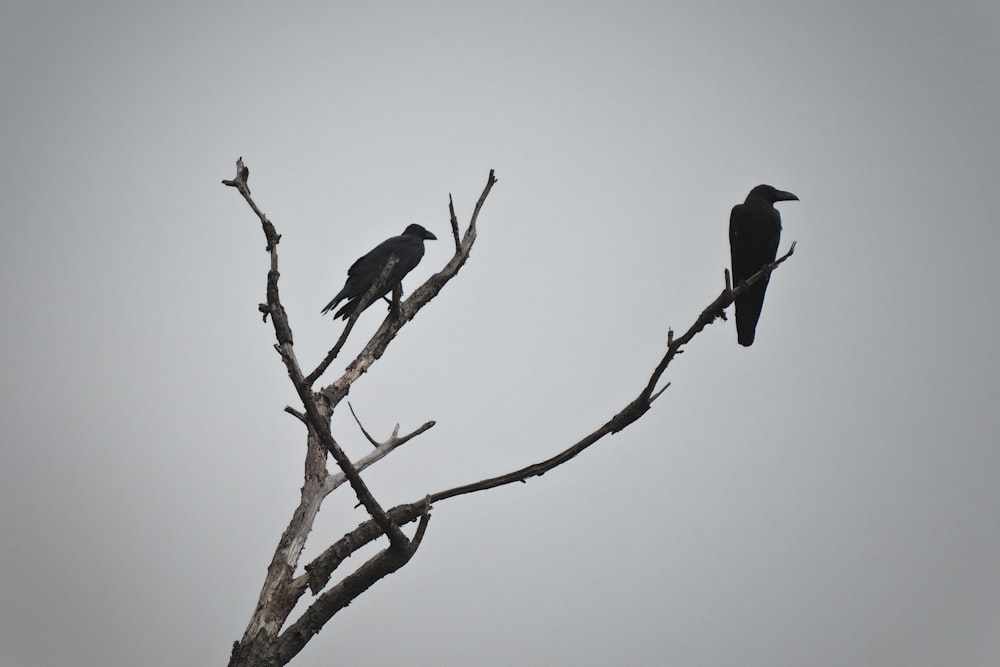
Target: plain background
(827,497)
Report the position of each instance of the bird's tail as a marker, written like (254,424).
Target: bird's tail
(348,309)
(748,307)
(745,333)
(333,302)
(330,306)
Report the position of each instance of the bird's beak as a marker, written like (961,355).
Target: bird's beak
(430,237)
(781,195)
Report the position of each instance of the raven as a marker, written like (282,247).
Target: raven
(754,232)
(408,248)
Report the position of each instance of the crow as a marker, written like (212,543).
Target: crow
(408,249)
(754,232)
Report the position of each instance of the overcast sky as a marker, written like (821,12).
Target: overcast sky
(827,497)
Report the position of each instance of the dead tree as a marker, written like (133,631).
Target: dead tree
(272,638)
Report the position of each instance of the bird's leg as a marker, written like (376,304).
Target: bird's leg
(397,294)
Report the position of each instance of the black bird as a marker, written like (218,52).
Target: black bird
(754,232)
(408,249)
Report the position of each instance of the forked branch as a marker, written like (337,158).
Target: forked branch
(264,642)
(318,418)
(298,634)
(394,439)
(280,592)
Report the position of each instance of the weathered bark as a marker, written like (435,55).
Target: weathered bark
(263,642)
(270,639)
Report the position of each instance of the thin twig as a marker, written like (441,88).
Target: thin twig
(454,223)
(394,439)
(375,443)
(380,452)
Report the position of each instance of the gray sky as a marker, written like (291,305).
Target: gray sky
(827,497)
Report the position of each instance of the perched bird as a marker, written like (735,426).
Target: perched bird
(408,248)
(754,232)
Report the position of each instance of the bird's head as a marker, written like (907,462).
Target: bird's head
(419,232)
(770,194)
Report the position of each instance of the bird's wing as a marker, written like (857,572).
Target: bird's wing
(408,250)
(408,255)
(368,266)
(736,251)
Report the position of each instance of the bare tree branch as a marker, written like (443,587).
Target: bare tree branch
(636,408)
(261,649)
(454,223)
(716,309)
(370,439)
(265,643)
(280,591)
(292,640)
(380,452)
(242,174)
(275,602)
(319,421)
(394,439)
(273,607)
(320,569)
